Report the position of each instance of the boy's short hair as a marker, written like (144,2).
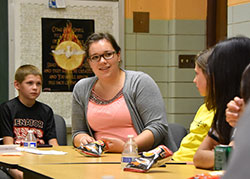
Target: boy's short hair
(26,70)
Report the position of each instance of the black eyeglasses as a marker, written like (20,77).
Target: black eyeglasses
(105,55)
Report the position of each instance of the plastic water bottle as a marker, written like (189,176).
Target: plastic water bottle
(30,140)
(130,151)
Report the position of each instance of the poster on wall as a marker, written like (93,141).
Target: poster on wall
(63,55)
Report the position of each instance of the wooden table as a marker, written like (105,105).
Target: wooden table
(99,170)
(72,156)
(75,165)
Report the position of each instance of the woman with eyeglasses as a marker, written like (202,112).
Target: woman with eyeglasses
(116,103)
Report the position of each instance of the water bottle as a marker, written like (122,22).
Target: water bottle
(30,140)
(130,151)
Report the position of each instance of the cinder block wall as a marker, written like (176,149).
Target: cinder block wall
(238,18)
(176,28)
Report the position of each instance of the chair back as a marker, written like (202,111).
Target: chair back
(61,130)
(178,132)
(4,173)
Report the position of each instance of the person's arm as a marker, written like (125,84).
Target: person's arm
(150,106)
(234,109)
(204,156)
(7,129)
(6,124)
(50,128)
(53,142)
(80,132)
(13,172)
(8,140)
(144,141)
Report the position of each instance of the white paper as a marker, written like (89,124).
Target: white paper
(8,148)
(41,152)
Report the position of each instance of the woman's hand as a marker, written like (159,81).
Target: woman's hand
(234,110)
(82,139)
(86,139)
(113,144)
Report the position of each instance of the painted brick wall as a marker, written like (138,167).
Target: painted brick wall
(238,18)
(174,30)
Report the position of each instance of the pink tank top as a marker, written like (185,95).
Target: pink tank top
(110,119)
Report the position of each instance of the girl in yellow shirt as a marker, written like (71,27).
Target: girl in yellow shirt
(203,118)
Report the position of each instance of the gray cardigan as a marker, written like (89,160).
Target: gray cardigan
(144,102)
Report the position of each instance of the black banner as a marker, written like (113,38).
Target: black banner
(63,56)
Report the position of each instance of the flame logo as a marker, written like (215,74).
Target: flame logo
(69,53)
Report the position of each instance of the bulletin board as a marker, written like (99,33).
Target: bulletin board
(25,38)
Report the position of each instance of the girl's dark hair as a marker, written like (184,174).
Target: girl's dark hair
(100,36)
(245,84)
(225,67)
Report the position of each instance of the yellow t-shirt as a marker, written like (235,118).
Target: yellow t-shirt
(198,131)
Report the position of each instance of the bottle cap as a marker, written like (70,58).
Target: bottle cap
(130,136)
